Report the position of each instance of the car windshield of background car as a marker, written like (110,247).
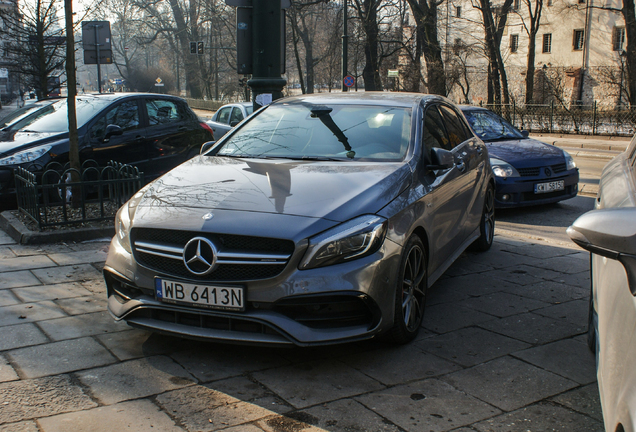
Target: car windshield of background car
(54,118)
(490,127)
(18,115)
(303,131)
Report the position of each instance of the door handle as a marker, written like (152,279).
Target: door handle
(461,165)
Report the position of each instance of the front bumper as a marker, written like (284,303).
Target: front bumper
(519,191)
(335,304)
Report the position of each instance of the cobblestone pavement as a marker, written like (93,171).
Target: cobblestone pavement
(502,349)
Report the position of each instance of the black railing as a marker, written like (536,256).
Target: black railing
(575,119)
(59,201)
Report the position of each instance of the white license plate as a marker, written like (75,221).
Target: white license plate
(549,187)
(211,296)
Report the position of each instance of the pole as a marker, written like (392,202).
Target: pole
(99,72)
(266,83)
(345,47)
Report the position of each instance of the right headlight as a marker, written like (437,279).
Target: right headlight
(354,239)
(502,168)
(124,218)
(25,156)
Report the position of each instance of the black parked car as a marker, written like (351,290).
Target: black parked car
(150,131)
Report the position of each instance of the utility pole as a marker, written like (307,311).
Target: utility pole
(345,46)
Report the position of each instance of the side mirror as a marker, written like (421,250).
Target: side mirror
(610,233)
(207,146)
(112,130)
(234,123)
(525,133)
(441,159)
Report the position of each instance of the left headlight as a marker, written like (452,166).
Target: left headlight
(25,156)
(502,168)
(354,239)
(569,161)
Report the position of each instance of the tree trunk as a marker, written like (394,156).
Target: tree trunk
(191,66)
(530,69)
(630,49)
(371,72)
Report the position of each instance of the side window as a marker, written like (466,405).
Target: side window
(454,126)
(237,115)
(125,115)
(434,133)
(224,115)
(162,111)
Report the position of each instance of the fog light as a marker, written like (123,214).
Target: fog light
(505,197)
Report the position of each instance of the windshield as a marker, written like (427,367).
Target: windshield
(341,132)
(19,115)
(490,127)
(249,109)
(54,118)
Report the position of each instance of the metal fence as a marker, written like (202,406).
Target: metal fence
(58,200)
(578,119)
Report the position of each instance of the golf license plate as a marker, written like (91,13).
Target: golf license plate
(210,296)
(549,187)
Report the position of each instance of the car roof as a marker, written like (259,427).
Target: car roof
(363,98)
(116,96)
(472,108)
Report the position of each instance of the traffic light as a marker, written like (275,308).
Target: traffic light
(200,48)
(193,47)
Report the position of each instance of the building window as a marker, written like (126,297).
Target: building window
(577,40)
(458,11)
(581,1)
(514,43)
(547,43)
(549,2)
(516,5)
(618,38)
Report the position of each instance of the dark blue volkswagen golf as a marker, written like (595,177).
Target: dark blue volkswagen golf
(527,171)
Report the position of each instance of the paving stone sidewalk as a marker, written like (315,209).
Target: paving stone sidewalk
(502,349)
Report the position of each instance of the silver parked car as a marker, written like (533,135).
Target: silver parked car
(228,116)
(320,219)
(609,233)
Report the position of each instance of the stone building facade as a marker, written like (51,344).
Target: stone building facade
(579,52)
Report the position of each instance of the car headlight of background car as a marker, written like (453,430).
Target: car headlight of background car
(25,156)
(356,238)
(503,169)
(569,161)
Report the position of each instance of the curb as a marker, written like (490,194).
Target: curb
(21,234)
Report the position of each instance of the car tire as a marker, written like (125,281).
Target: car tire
(487,223)
(410,292)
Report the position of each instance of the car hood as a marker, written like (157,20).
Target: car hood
(13,142)
(525,153)
(334,190)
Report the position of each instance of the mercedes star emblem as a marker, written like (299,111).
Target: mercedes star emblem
(199,256)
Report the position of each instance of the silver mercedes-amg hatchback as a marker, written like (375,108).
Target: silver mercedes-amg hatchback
(320,219)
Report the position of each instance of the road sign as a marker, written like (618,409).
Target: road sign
(349,81)
(96,32)
(105,57)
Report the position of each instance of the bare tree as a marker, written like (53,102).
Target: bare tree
(38,43)
(531,25)
(427,43)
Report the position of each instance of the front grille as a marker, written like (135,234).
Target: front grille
(528,172)
(559,168)
(533,172)
(200,320)
(239,258)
